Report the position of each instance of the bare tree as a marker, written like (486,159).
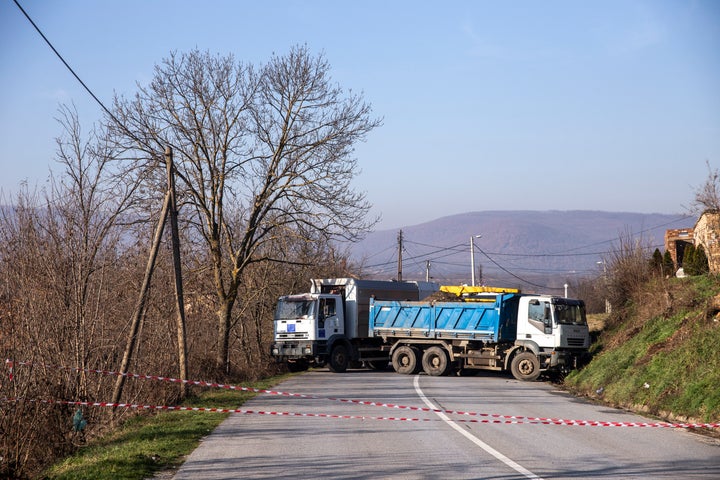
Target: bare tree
(628,269)
(59,253)
(707,197)
(85,208)
(261,154)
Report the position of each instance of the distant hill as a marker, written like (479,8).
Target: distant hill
(533,250)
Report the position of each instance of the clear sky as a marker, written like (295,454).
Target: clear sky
(486,105)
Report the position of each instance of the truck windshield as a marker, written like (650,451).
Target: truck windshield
(291,309)
(570,314)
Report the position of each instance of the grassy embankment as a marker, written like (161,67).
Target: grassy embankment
(148,444)
(660,356)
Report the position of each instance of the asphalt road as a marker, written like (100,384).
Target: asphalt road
(256,446)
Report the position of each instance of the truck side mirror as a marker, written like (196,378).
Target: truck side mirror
(547,319)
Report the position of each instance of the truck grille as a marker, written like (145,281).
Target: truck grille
(294,336)
(576,342)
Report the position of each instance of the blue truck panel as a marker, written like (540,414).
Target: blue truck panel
(488,321)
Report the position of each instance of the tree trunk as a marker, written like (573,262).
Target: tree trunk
(222,360)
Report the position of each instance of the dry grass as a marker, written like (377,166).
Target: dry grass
(596,321)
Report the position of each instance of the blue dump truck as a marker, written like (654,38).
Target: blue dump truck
(521,333)
(347,322)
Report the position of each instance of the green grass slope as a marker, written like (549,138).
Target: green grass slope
(661,354)
(151,443)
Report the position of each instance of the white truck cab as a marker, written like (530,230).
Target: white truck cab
(330,324)
(552,328)
(309,316)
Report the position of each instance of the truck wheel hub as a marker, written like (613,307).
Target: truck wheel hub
(526,367)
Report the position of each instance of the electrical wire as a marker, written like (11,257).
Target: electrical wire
(683,217)
(454,250)
(77,77)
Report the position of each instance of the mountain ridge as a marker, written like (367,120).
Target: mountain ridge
(530,248)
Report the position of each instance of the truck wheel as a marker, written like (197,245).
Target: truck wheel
(435,361)
(405,360)
(339,359)
(525,366)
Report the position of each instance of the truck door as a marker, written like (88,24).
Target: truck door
(539,326)
(328,322)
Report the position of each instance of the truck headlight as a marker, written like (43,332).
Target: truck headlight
(275,351)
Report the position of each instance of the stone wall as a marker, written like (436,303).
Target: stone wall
(707,234)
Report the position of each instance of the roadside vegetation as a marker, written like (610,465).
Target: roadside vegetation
(252,165)
(659,354)
(655,350)
(155,442)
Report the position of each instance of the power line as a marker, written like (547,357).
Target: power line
(557,254)
(683,217)
(454,247)
(380,252)
(453,251)
(510,273)
(415,257)
(77,77)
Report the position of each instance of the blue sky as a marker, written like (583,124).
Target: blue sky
(555,105)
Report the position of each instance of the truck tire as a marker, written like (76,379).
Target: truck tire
(525,366)
(339,359)
(435,361)
(405,360)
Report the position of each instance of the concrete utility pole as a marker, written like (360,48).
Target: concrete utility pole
(400,247)
(472,258)
(608,308)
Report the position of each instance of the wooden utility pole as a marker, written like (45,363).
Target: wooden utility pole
(169,207)
(180,319)
(140,307)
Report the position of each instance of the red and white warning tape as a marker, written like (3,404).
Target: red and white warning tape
(488,417)
(502,420)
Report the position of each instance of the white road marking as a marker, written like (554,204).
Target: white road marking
(510,463)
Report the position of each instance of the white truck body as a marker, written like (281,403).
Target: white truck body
(309,326)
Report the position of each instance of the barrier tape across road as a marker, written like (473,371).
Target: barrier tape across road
(487,417)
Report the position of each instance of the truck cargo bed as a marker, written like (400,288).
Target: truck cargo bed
(489,322)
